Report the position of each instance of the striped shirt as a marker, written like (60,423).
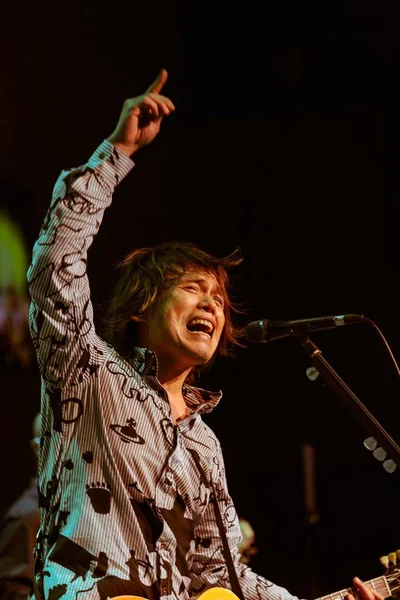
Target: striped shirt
(124,492)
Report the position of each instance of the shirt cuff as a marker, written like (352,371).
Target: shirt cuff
(112,163)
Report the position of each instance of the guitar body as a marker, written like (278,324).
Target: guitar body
(387,585)
(215,593)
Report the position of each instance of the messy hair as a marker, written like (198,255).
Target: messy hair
(147,272)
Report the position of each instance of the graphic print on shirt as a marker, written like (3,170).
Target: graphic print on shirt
(169,431)
(76,559)
(51,488)
(88,456)
(127,433)
(129,385)
(111,586)
(55,405)
(84,363)
(45,346)
(165,577)
(78,320)
(71,407)
(202,542)
(202,564)
(149,522)
(99,493)
(203,497)
(50,363)
(143,571)
(230,515)
(262,586)
(62,517)
(79,326)
(57,591)
(142,580)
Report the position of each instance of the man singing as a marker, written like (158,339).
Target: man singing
(132,490)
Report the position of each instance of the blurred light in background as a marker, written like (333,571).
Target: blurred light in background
(15,346)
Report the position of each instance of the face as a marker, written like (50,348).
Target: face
(185,324)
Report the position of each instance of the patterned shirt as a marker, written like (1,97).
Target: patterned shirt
(124,492)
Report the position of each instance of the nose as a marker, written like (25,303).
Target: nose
(208,304)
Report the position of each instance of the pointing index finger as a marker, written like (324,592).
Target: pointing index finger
(158,83)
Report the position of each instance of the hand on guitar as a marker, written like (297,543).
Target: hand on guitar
(363,591)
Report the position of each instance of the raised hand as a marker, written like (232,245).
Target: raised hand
(141,117)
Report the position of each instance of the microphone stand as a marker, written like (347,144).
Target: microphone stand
(360,411)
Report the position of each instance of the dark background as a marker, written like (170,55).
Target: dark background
(285,143)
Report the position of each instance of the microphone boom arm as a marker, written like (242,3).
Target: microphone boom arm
(360,411)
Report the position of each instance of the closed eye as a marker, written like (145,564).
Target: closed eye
(219,300)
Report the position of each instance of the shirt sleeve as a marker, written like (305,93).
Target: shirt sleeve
(209,566)
(61,313)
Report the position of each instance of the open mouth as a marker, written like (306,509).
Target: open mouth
(201,326)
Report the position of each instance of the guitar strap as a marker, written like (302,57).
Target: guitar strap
(235,585)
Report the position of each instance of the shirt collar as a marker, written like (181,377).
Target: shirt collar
(198,400)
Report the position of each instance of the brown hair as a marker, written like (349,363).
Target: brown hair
(147,272)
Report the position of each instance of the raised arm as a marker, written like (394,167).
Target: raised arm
(61,314)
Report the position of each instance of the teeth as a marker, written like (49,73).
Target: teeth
(207,324)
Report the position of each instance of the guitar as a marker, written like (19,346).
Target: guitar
(387,585)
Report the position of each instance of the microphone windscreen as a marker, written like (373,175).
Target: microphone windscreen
(255,332)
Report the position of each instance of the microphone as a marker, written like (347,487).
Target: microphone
(265,330)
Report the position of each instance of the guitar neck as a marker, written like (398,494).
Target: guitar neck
(379,585)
